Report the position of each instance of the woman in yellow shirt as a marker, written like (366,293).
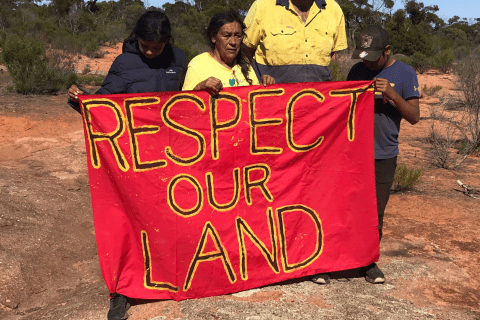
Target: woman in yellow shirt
(225,65)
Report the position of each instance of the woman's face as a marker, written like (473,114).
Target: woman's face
(150,49)
(228,41)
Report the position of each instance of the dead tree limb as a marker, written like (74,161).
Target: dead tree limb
(470,191)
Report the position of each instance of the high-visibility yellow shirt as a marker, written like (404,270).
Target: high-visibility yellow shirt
(281,38)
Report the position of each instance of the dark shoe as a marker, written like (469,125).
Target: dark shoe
(374,274)
(118,307)
(321,278)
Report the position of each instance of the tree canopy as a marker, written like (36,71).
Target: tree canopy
(79,26)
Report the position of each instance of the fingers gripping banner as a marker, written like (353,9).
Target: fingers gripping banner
(196,195)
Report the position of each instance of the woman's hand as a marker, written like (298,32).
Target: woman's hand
(73,93)
(267,80)
(211,84)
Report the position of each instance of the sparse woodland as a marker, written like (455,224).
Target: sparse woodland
(418,36)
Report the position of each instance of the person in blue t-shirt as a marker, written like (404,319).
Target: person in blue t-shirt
(396,97)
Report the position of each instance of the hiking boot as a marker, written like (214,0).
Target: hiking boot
(321,278)
(118,307)
(374,274)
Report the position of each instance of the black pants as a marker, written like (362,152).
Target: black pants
(384,173)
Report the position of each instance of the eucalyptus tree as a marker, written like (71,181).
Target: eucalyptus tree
(361,13)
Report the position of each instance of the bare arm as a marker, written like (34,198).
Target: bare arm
(409,109)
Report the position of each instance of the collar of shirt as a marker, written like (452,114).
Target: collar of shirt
(286,3)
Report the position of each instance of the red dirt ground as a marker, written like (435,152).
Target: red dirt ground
(49,266)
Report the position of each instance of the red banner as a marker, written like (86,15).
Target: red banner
(196,195)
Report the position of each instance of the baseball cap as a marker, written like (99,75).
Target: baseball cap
(370,43)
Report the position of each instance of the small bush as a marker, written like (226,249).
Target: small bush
(445,130)
(33,70)
(403,58)
(452,103)
(96,80)
(443,60)
(461,52)
(405,178)
(86,69)
(71,79)
(345,61)
(462,148)
(442,144)
(335,71)
(114,32)
(3,38)
(468,71)
(420,62)
(431,91)
(89,44)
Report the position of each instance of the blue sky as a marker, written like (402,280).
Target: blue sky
(448,8)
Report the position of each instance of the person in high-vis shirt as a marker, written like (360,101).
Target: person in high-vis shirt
(294,40)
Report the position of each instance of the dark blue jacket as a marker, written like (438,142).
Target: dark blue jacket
(131,72)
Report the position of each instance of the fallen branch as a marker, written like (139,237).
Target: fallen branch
(469,190)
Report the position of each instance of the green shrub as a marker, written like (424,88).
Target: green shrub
(5,81)
(461,52)
(468,70)
(456,34)
(431,91)
(403,58)
(2,41)
(32,70)
(3,37)
(96,80)
(337,74)
(71,79)
(420,62)
(89,43)
(113,32)
(443,60)
(190,51)
(405,178)
(463,146)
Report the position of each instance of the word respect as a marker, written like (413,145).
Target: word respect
(125,121)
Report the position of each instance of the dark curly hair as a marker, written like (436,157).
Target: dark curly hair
(217,21)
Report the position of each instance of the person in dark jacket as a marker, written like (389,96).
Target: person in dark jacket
(148,63)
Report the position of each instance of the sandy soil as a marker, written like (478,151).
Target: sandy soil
(49,266)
